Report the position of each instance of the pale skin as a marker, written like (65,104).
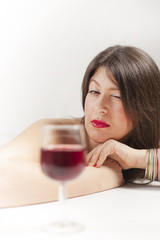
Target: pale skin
(22,180)
(126,156)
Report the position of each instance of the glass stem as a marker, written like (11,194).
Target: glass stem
(62,195)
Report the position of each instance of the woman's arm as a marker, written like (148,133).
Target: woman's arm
(22,181)
(126,156)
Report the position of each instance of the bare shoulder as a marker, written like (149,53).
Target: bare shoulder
(36,126)
(32,133)
(26,145)
(62,121)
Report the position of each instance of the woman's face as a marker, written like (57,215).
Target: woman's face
(105,117)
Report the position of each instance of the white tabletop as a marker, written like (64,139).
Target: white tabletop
(129,212)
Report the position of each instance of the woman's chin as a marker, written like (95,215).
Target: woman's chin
(98,140)
(96,137)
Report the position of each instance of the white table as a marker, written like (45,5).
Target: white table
(129,212)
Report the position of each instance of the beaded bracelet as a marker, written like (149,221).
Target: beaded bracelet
(152,171)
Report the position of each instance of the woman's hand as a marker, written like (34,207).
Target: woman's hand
(126,156)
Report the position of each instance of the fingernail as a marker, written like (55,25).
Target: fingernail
(95,165)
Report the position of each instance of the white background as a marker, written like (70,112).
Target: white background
(46,45)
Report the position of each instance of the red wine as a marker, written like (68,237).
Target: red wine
(63,162)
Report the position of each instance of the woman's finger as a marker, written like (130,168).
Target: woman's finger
(106,150)
(93,156)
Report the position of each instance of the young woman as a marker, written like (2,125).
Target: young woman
(134,105)
(121,100)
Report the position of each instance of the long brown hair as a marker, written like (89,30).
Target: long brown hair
(138,79)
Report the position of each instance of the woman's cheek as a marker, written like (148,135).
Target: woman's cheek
(118,109)
(88,105)
(122,117)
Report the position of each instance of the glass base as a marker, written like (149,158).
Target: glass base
(63,227)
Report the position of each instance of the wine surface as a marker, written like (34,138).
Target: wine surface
(63,162)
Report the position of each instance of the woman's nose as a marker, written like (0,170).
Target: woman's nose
(101,105)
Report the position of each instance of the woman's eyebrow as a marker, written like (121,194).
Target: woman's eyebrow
(114,88)
(93,80)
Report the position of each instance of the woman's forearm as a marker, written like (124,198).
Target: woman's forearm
(23,183)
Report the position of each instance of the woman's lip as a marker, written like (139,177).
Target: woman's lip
(99,124)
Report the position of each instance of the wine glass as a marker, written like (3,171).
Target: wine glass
(63,150)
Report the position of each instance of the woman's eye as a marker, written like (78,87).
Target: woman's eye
(94,92)
(116,96)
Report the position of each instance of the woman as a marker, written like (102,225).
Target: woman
(121,96)
(138,80)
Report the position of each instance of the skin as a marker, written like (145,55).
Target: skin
(23,182)
(125,156)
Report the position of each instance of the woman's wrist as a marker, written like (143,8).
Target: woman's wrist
(141,156)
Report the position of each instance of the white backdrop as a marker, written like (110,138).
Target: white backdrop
(46,45)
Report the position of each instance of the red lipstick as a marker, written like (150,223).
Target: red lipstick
(99,124)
